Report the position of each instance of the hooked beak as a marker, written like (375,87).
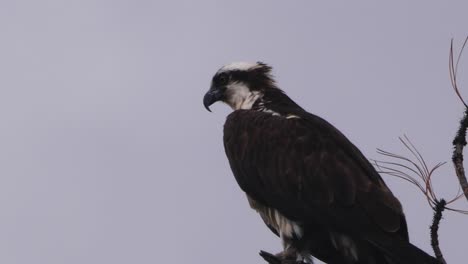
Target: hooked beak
(212,96)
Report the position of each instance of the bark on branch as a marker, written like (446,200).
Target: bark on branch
(460,139)
(459,143)
(439,208)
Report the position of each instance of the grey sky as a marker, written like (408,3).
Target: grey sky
(108,156)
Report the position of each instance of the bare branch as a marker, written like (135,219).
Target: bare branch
(439,208)
(459,141)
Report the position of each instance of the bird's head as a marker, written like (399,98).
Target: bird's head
(239,85)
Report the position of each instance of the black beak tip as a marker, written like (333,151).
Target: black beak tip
(208,100)
(212,96)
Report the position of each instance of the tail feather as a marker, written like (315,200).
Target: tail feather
(402,252)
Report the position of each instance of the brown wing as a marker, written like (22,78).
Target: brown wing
(309,171)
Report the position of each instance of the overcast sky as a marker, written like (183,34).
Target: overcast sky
(108,156)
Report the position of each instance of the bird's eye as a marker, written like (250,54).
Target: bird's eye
(223,78)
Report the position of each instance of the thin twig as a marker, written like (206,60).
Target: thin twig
(416,172)
(453,70)
(439,208)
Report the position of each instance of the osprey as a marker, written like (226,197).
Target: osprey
(311,186)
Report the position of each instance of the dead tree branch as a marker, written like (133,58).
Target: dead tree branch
(458,144)
(439,208)
(459,141)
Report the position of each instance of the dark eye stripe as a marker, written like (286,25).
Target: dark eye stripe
(222,79)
